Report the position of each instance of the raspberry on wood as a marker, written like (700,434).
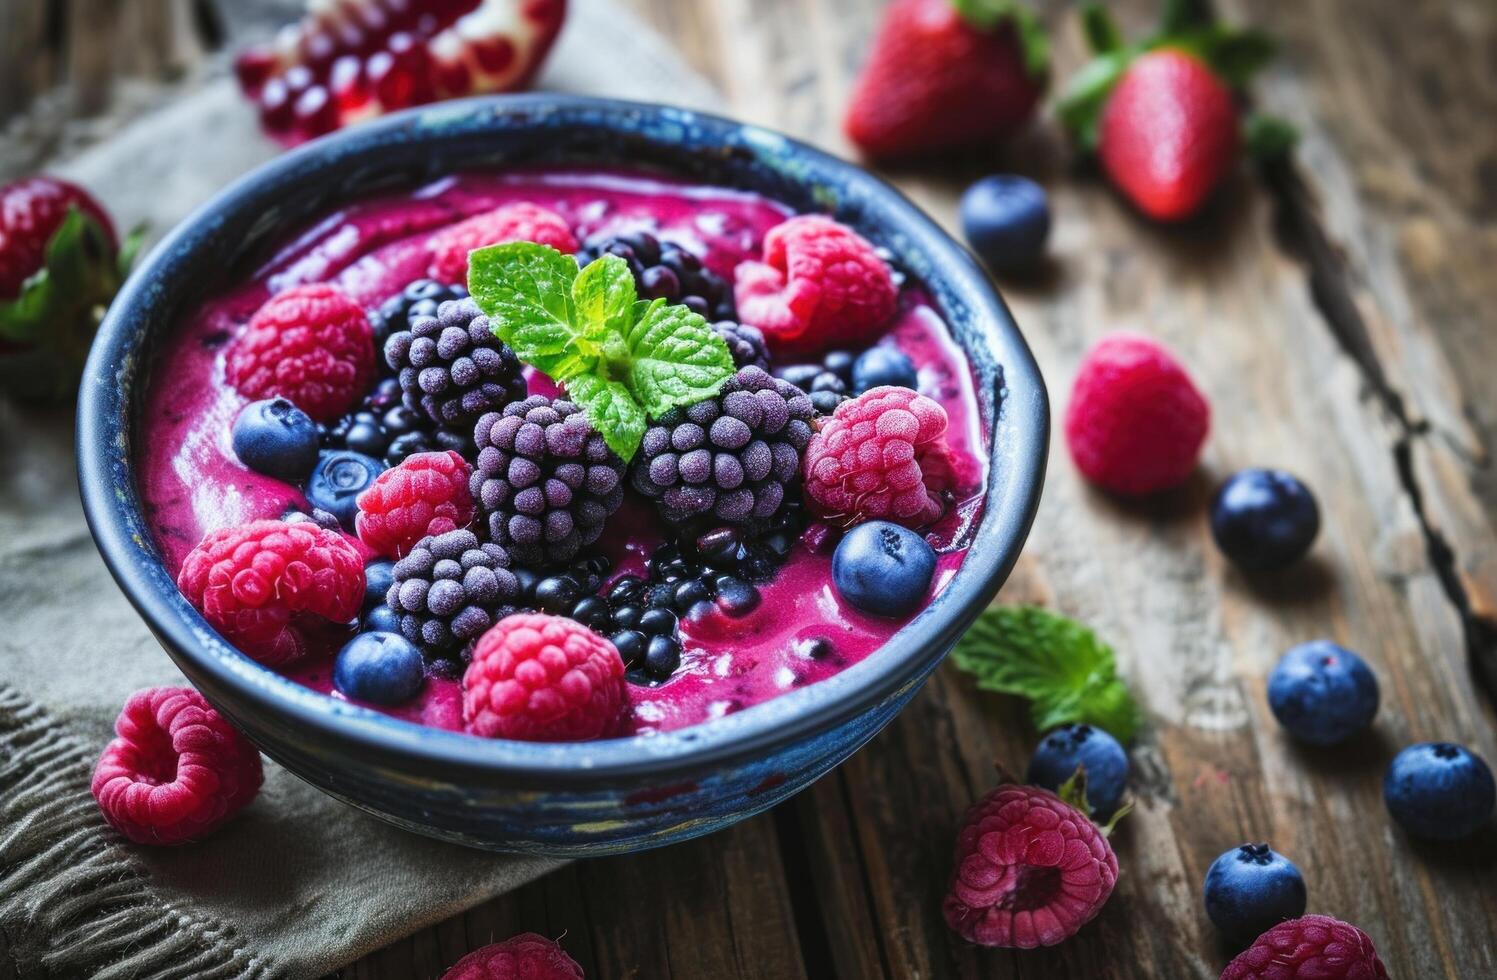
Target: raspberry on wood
(451,366)
(450,588)
(523,957)
(255,584)
(542,678)
(1312,947)
(176,769)
(311,344)
(545,479)
(734,458)
(520,221)
(425,494)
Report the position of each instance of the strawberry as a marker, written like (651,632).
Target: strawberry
(1162,115)
(60,265)
(945,74)
(349,60)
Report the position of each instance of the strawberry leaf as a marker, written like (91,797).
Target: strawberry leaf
(1269,138)
(1102,32)
(1080,105)
(1179,16)
(986,15)
(1234,55)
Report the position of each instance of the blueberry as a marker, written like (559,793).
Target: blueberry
(691,592)
(800,375)
(630,644)
(1322,693)
(557,593)
(1439,790)
(383,668)
(378,577)
(381,619)
(1264,519)
(365,436)
(528,579)
(276,438)
(1006,219)
(735,597)
(1251,888)
(658,622)
(882,366)
(1063,749)
(627,616)
(839,362)
(883,569)
(625,588)
(338,480)
(662,656)
(592,612)
(825,402)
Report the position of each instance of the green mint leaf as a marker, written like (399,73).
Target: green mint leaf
(611,410)
(1066,672)
(526,291)
(604,295)
(676,358)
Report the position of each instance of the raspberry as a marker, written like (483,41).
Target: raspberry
(745,343)
(541,678)
(733,458)
(821,285)
(255,582)
(1312,947)
(176,769)
(518,222)
(426,494)
(523,957)
(881,456)
(451,588)
(451,366)
(546,480)
(664,270)
(1030,870)
(1136,421)
(310,344)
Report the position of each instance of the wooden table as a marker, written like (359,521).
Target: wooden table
(1340,317)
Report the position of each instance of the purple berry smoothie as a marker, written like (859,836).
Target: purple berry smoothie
(192,483)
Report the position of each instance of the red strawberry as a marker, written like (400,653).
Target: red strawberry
(353,59)
(947,73)
(60,265)
(1162,115)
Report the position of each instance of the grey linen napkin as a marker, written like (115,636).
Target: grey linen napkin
(298,884)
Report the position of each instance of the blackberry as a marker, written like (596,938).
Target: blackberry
(745,343)
(665,270)
(732,459)
(544,479)
(828,382)
(452,368)
(450,589)
(385,428)
(420,298)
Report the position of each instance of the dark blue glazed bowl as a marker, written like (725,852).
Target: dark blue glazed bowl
(566,798)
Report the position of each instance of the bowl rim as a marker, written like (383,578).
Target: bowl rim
(113,510)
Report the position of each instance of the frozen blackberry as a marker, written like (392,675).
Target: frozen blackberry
(450,589)
(420,298)
(452,368)
(732,459)
(544,479)
(665,270)
(385,428)
(745,342)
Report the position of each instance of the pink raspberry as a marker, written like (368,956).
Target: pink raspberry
(310,344)
(821,285)
(881,456)
(176,770)
(523,957)
(256,583)
(1312,947)
(425,494)
(542,678)
(1030,870)
(1136,422)
(518,222)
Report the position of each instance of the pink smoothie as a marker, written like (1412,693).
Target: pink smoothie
(192,483)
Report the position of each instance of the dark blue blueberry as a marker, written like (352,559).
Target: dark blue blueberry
(382,668)
(736,597)
(658,622)
(630,644)
(662,656)
(528,578)
(338,480)
(1322,693)
(381,619)
(1439,790)
(592,612)
(378,577)
(691,592)
(627,616)
(557,593)
(1264,519)
(826,402)
(883,366)
(1006,219)
(839,362)
(1063,749)
(1250,889)
(276,438)
(883,569)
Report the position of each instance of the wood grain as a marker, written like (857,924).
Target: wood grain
(1338,315)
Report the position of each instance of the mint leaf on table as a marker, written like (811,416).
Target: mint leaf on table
(622,360)
(1062,667)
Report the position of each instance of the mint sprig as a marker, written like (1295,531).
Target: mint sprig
(1063,668)
(623,360)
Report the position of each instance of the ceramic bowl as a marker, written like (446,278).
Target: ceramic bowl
(565,798)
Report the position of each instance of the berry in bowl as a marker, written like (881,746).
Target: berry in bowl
(560,475)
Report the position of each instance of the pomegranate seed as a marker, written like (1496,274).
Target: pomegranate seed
(399,13)
(298,79)
(542,12)
(353,40)
(494,54)
(275,105)
(346,80)
(315,112)
(253,67)
(318,49)
(453,78)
